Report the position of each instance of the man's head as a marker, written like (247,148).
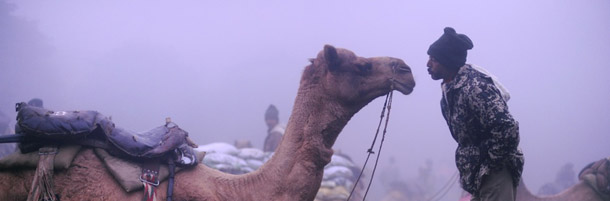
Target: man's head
(448,53)
(36,102)
(272,116)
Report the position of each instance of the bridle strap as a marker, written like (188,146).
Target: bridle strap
(387,104)
(380,145)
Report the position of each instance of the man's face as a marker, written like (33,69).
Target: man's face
(436,70)
(271,123)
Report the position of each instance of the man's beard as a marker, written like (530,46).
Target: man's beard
(436,76)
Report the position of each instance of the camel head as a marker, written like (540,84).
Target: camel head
(357,80)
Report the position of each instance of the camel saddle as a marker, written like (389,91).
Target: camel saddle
(597,175)
(44,130)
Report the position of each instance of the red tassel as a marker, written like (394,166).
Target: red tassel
(150,192)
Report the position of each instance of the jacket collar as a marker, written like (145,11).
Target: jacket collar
(460,78)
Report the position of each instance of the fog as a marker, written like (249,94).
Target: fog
(215,66)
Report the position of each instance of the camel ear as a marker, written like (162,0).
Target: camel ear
(332,58)
(311,60)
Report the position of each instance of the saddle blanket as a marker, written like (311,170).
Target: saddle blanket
(126,173)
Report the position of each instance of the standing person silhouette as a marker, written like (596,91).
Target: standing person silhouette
(474,105)
(274,130)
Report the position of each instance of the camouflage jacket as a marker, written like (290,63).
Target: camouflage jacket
(486,133)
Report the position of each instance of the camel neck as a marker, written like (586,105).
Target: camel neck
(306,147)
(313,126)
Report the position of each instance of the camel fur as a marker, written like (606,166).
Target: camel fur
(333,88)
(581,191)
(593,185)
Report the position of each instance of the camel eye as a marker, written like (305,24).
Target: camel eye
(402,69)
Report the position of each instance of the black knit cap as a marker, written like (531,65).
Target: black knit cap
(37,102)
(450,49)
(272,113)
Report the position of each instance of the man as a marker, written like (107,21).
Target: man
(474,106)
(37,102)
(274,130)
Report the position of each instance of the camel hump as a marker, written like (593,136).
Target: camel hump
(597,175)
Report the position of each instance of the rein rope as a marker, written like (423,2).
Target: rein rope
(388,105)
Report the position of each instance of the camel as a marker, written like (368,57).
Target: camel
(335,86)
(581,191)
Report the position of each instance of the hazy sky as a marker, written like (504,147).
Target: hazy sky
(215,66)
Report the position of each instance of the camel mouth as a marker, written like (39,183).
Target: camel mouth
(404,88)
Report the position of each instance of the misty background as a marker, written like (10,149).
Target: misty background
(215,66)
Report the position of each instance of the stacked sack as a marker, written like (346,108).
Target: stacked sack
(338,180)
(227,158)
(339,175)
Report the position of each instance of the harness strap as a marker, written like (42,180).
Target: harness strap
(150,179)
(170,181)
(42,185)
